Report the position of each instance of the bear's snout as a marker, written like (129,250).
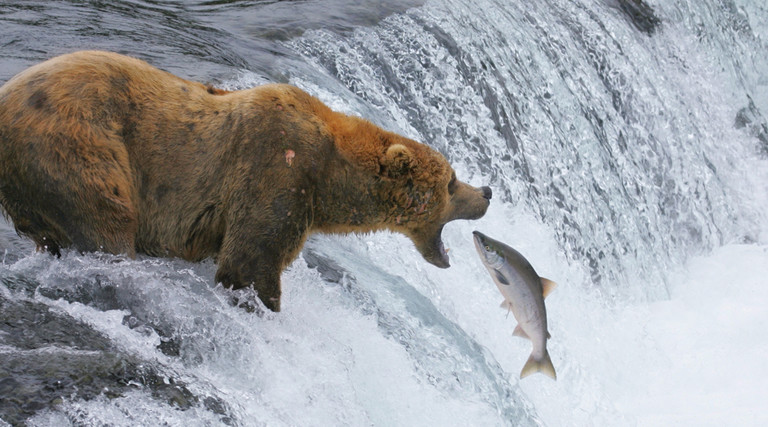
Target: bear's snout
(470,202)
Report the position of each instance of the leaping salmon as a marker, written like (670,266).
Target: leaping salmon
(524,292)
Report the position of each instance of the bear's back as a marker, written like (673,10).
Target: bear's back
(91,86)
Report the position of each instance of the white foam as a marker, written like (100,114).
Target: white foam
(700,359)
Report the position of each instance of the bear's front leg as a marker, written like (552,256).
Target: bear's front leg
(259,271)
(259,245)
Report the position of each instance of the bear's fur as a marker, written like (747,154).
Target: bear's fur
(103,152)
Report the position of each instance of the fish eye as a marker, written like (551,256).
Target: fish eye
(487,248)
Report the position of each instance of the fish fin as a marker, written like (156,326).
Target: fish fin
(548,335)
(506,304)
(544,365)
(547,286)
(500,277)
(519,332)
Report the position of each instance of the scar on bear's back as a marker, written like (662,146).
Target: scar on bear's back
(216,91)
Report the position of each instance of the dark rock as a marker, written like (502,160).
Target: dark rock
(641,15)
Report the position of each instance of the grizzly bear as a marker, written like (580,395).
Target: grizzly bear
(103,152)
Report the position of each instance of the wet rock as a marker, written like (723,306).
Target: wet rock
(640,14)
(749,118)
(329,270)
(48,357)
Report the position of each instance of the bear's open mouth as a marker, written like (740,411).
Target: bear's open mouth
(434,251)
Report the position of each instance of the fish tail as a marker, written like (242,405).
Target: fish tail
(543,365)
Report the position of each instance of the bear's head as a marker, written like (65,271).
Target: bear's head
(426,196)
(396,183)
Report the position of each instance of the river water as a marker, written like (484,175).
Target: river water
(626,144)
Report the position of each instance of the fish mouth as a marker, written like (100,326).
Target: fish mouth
(478,237)
(433,250)
(480,244)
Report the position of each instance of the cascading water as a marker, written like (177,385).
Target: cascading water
(619,144)
(602,132)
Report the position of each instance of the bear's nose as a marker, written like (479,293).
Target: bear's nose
(487,193)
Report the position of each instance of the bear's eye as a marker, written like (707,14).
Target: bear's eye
(452,184)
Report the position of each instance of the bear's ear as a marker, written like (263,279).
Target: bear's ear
(397,161)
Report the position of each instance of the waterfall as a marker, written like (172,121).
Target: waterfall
(626,143)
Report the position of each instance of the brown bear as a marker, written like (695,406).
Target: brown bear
(103,152)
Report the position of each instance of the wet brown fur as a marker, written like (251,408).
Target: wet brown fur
(103,152)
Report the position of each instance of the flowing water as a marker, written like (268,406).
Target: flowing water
(626,144)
